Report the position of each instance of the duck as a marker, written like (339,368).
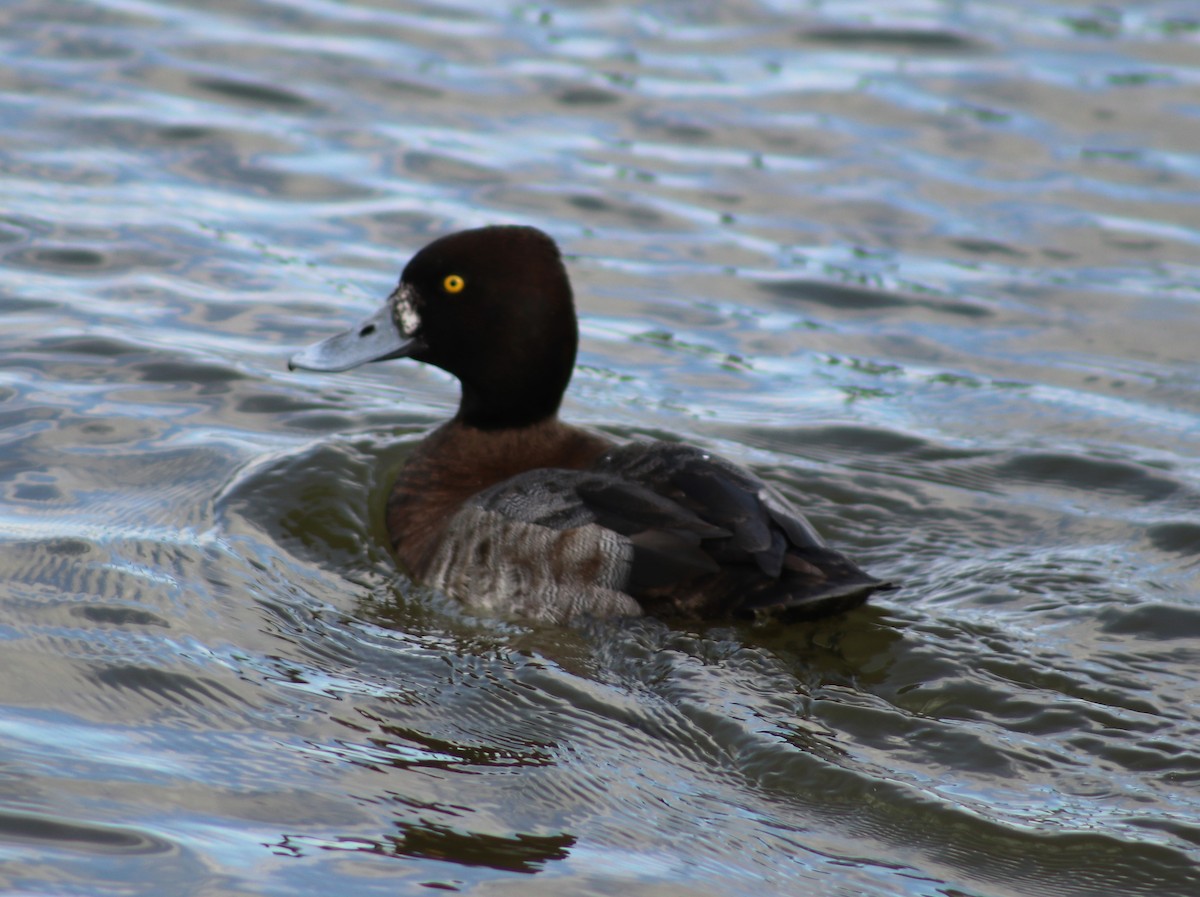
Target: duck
(513,512)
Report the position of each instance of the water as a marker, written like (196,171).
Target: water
(929,267)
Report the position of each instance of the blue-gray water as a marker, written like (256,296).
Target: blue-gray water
(931,267)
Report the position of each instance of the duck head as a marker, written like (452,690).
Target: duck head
(493,307)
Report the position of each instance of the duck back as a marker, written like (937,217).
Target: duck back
(572,525)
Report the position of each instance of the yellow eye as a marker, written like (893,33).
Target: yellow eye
(453,284)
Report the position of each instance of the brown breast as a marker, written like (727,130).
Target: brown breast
(456,461)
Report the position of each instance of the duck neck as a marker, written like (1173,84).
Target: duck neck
(518,402)
(457,461)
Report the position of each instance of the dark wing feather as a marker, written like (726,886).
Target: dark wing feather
(665,536)
(707,536)
(714,492)
(771,561)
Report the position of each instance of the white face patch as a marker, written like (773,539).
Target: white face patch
(404,310)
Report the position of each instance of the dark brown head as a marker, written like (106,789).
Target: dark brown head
(491,306)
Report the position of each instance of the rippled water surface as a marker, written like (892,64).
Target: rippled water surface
(930,267)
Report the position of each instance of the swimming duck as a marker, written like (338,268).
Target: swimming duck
(512,511)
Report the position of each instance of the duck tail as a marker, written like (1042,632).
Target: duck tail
(820,583)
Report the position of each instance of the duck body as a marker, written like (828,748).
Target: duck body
(512,511)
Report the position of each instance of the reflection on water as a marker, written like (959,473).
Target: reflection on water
(930,270)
